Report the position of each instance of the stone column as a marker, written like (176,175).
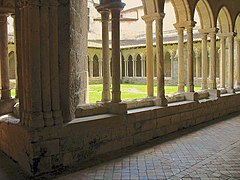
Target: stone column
(105,55)
(172,63)
(15,54)
(134,66)
(149,55)
(231,63)
(126,67)
(180,59)
(238,61)
(190,76)
(213,51)
(204,61)
(198,68)
(161,99)
(142,67)
(5,91)
(100,68)
(116,93)
(223,61)
(90,67)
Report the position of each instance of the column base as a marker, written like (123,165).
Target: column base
(215,93)
(191,96)
(230,90)
(116,108)
(181,88)
(204,86)
(116,97)
(48,119)
(6,94)
(161,102)
(57,116)
(237,88)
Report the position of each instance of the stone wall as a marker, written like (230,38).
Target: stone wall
(80,140)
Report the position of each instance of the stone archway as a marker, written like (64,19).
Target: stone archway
(138,66)
(130,66)
(224,20)
(95,66)
(205,14)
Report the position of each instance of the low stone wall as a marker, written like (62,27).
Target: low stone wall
(84,138)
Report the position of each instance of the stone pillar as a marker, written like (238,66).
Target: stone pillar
(190,76)
(198,67)
(105,55)
(15,55)
(5,90)
(126,67)
(213,51)
(238,61)
(116,93)
(172,63)
(223,61)
(204,61)
(231,63)
(134,66)
(90,66)
(100,68)
(149,55)
(180,59)
(161,99)
(142,67)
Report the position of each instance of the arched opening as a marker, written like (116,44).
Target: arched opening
(12,68)
(123,67)
(139,66)
(130,66)
(95,66)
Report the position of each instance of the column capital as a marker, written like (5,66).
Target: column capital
(179,27)
(148,19)
(114,5)
(159,16)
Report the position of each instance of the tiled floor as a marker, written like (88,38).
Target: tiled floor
(209,151)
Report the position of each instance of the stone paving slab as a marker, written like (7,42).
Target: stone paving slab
(208,151)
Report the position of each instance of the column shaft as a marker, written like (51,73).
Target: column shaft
(238,61)
(149,57)
(160,61)
(105,55)
(204,62)
(190,76)
(116,93)
(180,60)
(230,62)
(197,65)
(223,61)
(213,54)
(5,91)
(15,55)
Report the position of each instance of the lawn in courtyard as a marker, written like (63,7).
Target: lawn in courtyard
(129,91)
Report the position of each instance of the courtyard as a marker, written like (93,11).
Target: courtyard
(129,91)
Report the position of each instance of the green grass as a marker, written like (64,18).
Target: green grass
(129,91)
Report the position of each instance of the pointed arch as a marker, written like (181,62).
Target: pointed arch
(224,20)
(237,25)
(205,14)
(182,11)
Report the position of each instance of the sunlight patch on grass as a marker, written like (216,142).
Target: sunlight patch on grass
(129,91)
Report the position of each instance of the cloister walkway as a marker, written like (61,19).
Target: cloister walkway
(207,151)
